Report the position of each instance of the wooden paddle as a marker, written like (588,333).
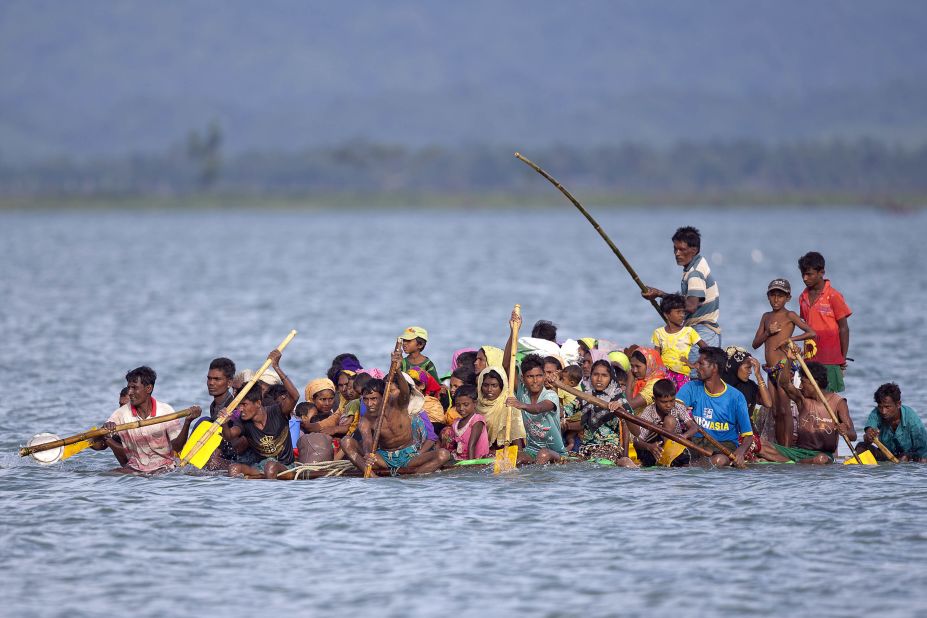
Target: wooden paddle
(792,351)
(99,433)
(205,442)
(711,439)
(595,224)
(601,403)
(393,368)
(507,456)
(888,454)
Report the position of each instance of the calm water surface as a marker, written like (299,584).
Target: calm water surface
(88,295)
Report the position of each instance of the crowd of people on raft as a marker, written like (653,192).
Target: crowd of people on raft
(736,406)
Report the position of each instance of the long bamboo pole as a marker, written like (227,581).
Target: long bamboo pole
(99,433)
(595,224)
(393,368)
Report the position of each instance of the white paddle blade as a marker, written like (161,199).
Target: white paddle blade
(50,456)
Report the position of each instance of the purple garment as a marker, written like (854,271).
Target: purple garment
(429,428)
(349,364)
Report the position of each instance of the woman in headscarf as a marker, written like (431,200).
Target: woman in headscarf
(487,356)
(492,388)
(740,364)
(646,368)
(604,436)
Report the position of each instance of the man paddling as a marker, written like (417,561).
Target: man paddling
(396,450)
(896,426)
(218,383)
(698,287)
(148,449)
(718,409)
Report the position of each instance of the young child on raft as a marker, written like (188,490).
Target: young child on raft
(776,328)
(825,310)
(430,388)
(666,412)
(673,341)
(414,340)
(572,375)
(469,436)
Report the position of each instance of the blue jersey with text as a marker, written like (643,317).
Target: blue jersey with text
(723,414)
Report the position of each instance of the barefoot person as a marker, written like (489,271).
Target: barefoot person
(818,435)
(776,327)
(147,449)
(396,450)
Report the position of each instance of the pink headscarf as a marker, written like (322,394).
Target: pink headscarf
(373,373)
(457,354)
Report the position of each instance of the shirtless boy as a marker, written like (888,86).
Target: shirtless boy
(776,327)
(396,450)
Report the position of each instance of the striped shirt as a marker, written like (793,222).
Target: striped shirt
(697,281)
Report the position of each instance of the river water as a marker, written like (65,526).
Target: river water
(88,295)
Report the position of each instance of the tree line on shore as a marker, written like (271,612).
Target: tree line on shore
(865,169)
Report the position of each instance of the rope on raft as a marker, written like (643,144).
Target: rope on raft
(331,468)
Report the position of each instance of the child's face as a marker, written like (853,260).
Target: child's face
(676,317)
(491,388)
(324,401)
(664,405)
(465,406)
(551,372)
(534,380)
(351,393)
(812,277)
(571,380)
(455,384)
(409,346)
(777,299)
(600,378)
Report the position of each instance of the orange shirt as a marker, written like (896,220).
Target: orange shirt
(822,316)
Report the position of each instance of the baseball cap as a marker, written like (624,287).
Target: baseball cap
(782,285)
(414,332)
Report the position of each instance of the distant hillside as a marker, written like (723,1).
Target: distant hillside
(105,78)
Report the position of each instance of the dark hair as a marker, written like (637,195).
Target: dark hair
(494,374)
(889,389)
(531,361)
(553,360)
(338,365)
(812,259)
(638,356)
(375,385)
(144,374)
(467,390)
(664,388)
(421,343)
(225,365)
(465,375)
(819,373)
(276,390)
(360,381)
(574,372)
(672,301)
(124,392)
(716,356)
(621,376)
(603,363)
(688,235)
(468,360)
(302,408)
(545,329)
(253,395)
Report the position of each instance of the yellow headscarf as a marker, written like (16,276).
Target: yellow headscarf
(493,358)
(317,386)
(495,412)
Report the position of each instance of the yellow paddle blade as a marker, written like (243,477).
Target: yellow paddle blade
(866,457)
(506,458)
(671,450)
(202,456)
(632,452)
(73,449)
